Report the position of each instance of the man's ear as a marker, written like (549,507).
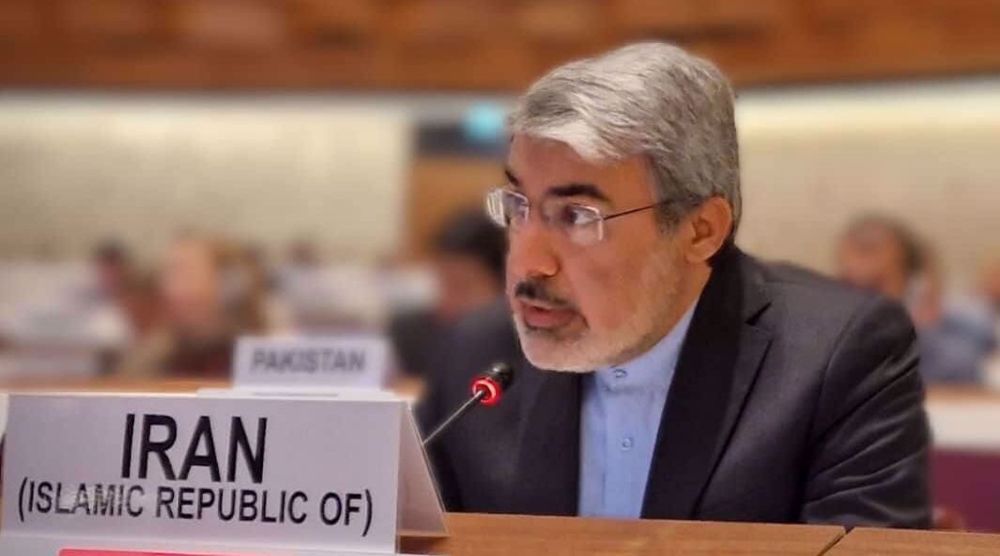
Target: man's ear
(710,225)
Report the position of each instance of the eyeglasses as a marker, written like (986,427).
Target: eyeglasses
(582,224)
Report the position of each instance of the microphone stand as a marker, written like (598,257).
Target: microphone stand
(469,404)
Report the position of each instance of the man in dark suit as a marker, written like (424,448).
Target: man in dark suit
(682,378)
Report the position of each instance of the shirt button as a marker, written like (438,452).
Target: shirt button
(627,443)
(620,373)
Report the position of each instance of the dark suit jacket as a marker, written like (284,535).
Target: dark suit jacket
(795,399)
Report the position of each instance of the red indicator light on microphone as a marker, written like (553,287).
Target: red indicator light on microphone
(486,390)
(490,387)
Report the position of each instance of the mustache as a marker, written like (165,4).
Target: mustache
(536,290)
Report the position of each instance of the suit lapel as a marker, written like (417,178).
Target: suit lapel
(549,456)
(716,370)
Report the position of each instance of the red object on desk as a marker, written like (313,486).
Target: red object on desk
(92,552)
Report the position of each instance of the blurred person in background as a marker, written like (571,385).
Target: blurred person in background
(987,300)
(140,303)
(137,305)
(881,254)
(989,285)
(258,256)
(82,312)
(304,253)
(211,292)
(300,281)
(98,309)
(468,267)
(113,268)
(468,260)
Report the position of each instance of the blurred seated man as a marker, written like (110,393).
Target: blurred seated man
(881,254)
(102,305)
(468,267)
(324,295)
(113,268)
(660,371)
(211,293)
(988,295)
(140,303)
(63,311)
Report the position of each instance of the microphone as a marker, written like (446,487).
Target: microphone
(487,389)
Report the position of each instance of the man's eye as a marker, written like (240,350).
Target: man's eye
(577,216)
(514,207)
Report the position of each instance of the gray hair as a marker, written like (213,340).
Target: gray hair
(652,99)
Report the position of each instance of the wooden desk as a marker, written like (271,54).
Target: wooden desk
(494,535)
(894,542)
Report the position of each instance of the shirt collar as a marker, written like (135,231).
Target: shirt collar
(653,370)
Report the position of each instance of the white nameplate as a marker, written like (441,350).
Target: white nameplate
(152,472)
(354,361)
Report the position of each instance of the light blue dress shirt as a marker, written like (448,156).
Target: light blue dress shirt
(619,421)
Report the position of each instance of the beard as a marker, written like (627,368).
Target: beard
(654,300)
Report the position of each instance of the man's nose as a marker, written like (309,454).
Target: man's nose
(532,253)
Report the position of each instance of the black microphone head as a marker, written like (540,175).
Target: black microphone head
(502,373)
(492,384)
